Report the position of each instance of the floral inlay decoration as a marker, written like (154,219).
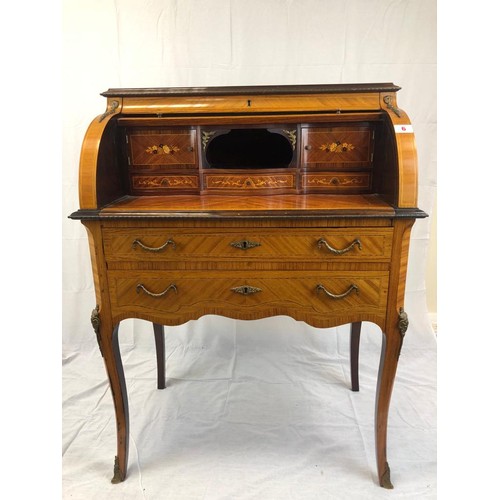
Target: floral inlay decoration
(162,149)
(337,147)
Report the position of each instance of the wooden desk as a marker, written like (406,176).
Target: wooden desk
(250,202)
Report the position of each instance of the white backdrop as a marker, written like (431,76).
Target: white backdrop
(154,43)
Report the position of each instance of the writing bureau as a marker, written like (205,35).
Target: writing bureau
(250,202)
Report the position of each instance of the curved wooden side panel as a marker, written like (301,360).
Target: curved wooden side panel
(406,151)
(90,153)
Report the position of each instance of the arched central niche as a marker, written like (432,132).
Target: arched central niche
(249,148)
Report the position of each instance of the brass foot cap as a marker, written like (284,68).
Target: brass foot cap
(118,476)
(385,478)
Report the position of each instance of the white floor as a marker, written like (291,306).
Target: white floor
(252,410)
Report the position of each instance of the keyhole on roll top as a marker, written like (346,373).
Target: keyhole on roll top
(249,103)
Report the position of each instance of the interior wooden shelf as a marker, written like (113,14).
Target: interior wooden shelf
(369,204)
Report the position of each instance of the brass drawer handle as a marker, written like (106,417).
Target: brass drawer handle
(323,242)
(136,243)
(351,289)
(140,287)
(244,244)
(246,289)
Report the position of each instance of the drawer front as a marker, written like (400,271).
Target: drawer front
(158,244)
(337,182)
(249,182)
(335,146)
(162,148)
(248,295)
(158,184)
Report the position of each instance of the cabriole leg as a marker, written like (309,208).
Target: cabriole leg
(116,377)
(159,332)
(392,342)
(355,338)
(107,337)
(387,372)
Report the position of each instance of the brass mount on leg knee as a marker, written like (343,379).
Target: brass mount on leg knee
(96,324)
(403,326)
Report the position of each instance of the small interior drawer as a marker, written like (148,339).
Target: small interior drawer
(347,146)
(154,148)
(338,182)
(163,183)
(248,182)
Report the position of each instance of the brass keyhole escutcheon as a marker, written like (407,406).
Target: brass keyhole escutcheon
(246,290)
(245,244)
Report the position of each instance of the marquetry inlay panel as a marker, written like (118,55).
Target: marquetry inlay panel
(249,182)
(169,148)
(146,182)
(337,181)
(349,146)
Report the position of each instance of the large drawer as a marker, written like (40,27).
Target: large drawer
(158,244)
(248,295)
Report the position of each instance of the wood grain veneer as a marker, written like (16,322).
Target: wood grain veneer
(270,205)
(123,244)
(279,294)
